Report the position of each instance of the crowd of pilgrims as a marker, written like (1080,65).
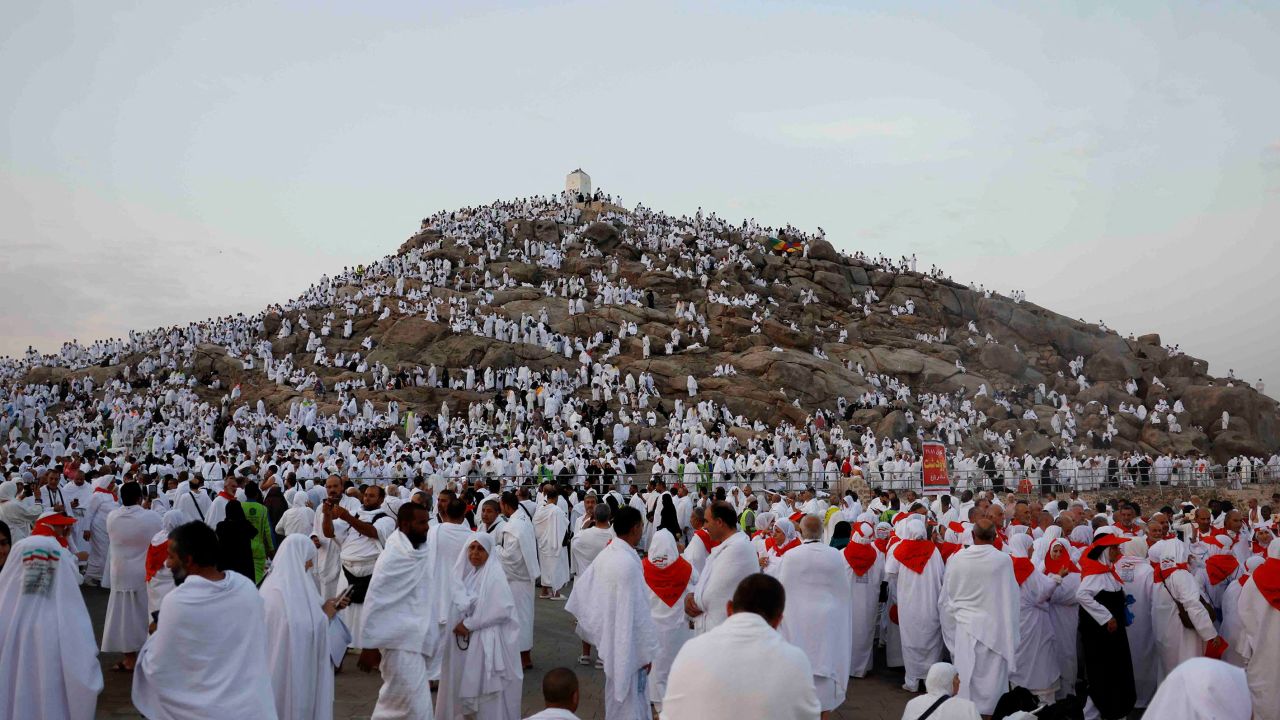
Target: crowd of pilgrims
(159,482)
(995,603)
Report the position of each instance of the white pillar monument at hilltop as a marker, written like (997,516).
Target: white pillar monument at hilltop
(578,183)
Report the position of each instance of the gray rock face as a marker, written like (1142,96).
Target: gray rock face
(774,355)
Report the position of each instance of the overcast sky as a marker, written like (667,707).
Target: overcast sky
(166,162)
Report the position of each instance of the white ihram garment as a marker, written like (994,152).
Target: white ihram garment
(671,622)
(482,681)
(298,634)
(444,545)
(610,601)
(398,600)
(1261,622)
(187,671)
(706,683)
(518,550)
(45,622)
(818,583)
(1175,643)
(980,605)
(550,524)
(728,564)
(917,598)
(130,530)
(864,605)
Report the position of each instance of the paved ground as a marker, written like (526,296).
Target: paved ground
(879,697)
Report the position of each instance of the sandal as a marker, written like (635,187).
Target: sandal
(584,659)
(121,667)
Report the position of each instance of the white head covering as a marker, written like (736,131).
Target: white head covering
(1041,546)
(8,490)
(46,622)
(1081,534)
(1273,550)
(295,621)
(788,529)
(912,528)
(168,524)
(299,519)
(1020,545)
(1203,689)
(662,548)
(289,575)
(1169,553)
(941,678)
(481,597)
(764,520)
(863,533)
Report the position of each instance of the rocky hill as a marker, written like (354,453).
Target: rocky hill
(1004,357)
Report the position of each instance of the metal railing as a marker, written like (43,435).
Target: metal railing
(1082,479)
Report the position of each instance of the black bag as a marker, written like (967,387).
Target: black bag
(359,586)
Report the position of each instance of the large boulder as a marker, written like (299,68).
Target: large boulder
(1108,365)
(605,236)
(834,282)
(820,249)
(1003,358)
(894,425)
(411,334)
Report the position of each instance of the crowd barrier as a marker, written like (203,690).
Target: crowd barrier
(1083,479)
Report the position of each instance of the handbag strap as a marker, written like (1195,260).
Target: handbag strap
(933,707)
(1183,616)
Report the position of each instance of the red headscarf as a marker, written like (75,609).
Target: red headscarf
(670,582)
(1089,566)
(45,526)
(156,555)
(1093,567)
(1158,575)
(860,556)
(1022,569)
(914,554)
(948,549)
(1052,566)
(1267,579)
(1220,567)
(795,543)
